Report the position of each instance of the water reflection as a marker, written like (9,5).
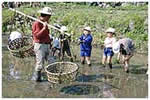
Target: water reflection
(80,89)
(14,73)
(87,78)
(138,71)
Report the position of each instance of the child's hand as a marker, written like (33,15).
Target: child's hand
(79,41)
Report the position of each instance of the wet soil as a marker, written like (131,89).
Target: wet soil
(95,81)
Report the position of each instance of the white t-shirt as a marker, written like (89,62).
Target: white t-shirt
(56,43)
(14,35)
(109,42)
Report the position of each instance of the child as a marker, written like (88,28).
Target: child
(125,47)
(65,39)
(108,44)
(85,45)
(56,46)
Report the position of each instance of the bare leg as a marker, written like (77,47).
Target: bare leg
(62,54)
(118,57)
(104,60)
(53,51)
(82,60)
(109,61)
(123,59)
(59,54)
(88,61)
(127,58)
(126,65)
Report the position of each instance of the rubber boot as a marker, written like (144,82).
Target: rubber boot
(38,78)
(83,62)
(71,59)
(103,65)
(89,65)
(110,66)
(127,70)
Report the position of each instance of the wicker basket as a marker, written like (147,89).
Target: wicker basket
(61,72)
(21,47)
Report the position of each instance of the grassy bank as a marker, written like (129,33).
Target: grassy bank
(76,16)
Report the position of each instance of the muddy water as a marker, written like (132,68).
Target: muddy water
(94,81)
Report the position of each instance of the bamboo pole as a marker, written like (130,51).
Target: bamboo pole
(50,26)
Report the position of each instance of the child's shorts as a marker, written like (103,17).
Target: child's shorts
(108,52)
(86,53)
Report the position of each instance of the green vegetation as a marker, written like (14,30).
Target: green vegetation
(76,16)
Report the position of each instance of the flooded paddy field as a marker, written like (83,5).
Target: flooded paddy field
(91,82)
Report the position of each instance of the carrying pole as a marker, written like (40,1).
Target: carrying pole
(50,26)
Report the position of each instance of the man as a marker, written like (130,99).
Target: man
(65,38)
(125,47)
(41,40)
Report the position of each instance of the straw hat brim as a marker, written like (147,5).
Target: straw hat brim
(43,12)
(87,30)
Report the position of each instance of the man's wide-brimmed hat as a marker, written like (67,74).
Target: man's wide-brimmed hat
(46,10)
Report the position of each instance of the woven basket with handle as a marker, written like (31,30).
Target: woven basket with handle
(61,72)
(21,47)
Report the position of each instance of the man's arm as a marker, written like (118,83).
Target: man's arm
(37,31)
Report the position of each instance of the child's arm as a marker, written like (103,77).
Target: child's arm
(114,41)
(80,39)
(88,40)
(118,57)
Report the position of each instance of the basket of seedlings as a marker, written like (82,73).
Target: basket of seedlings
(21,47)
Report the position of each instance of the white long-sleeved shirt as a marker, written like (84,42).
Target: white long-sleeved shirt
(109,42)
